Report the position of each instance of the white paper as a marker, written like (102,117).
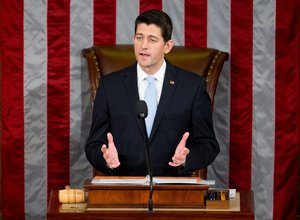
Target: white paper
(207,182)
(174,181)
(156,180)
(118,181)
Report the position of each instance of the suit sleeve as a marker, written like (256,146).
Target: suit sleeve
(98,132)
(202,141)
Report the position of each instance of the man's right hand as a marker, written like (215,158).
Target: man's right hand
(110,153)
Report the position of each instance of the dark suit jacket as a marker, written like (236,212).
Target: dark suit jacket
(184,106)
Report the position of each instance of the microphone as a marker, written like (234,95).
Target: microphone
(141,111)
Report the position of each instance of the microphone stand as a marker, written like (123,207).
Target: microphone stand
(149,166)
(141,111)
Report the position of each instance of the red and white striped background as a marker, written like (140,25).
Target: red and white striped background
(45,98)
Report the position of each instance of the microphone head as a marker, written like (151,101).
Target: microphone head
(141,109)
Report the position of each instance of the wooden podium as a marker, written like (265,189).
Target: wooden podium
(129,194)
(171,201)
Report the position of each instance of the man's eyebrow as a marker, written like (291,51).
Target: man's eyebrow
(150,36)
(153,36)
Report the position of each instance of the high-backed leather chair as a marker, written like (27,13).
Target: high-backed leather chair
(207,62)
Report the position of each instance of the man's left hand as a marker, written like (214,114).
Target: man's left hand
(181,152)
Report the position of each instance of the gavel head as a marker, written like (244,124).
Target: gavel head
(68,195)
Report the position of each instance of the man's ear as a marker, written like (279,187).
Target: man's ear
(168,46)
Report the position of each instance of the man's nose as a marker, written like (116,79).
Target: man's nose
(145,43)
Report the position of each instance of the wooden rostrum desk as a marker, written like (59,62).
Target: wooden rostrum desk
(170,201)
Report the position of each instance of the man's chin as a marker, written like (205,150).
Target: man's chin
(144,64)
(147,66)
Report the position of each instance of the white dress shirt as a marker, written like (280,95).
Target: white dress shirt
(159,79)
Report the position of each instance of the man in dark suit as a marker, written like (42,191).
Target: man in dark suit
(181,139)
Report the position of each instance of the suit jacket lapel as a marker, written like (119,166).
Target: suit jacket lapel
(169,86)
(130,82)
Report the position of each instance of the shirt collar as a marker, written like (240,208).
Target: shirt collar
(159,75)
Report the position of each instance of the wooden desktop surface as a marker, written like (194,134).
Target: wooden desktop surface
(246,212)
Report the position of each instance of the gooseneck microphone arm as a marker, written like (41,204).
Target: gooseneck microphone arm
(142,112)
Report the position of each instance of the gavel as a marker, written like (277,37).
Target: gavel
(69,195)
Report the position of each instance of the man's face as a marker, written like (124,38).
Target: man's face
(150,48)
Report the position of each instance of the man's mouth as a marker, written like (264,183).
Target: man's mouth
(144,54)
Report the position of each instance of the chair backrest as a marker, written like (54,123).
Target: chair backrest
(207,62)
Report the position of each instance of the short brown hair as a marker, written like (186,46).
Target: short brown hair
(160,19)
